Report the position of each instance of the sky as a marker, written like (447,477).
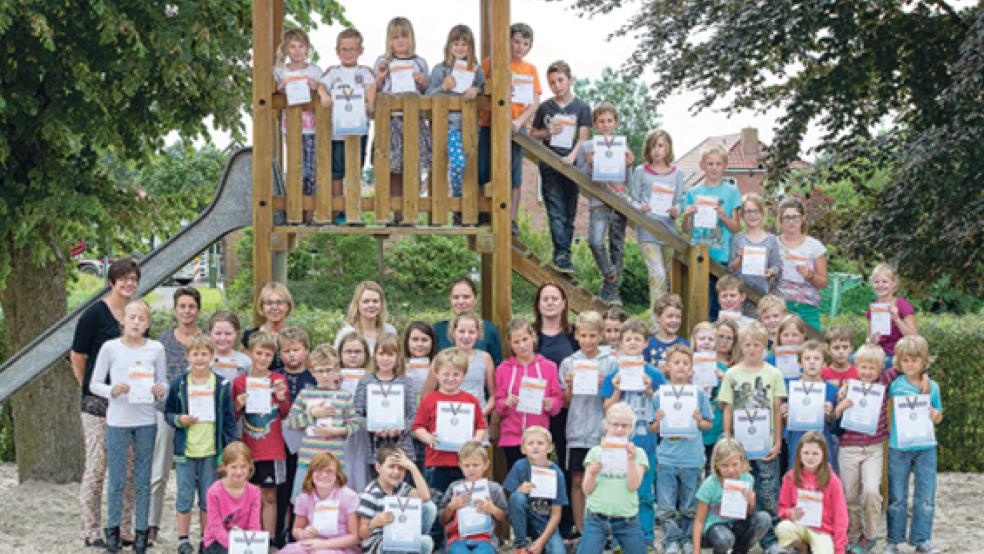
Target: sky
(559,34)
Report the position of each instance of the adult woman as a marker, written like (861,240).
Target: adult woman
(555,341)
(804,263)
(274,303)
(100,323)
(366,315)
(463,298)
(187,304)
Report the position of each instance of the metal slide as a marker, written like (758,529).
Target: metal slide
(231,209)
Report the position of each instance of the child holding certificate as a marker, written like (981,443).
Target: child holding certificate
(912,447)
(386,399)
(727,354)
(457,75)
(392,514)
(751,396)
(262,400)
(790,335)
(682,410)
(228,363)
(355,354)
(325,415)
(563,123)
(668,314)
(325,519)
(537,493)
(581,376)
(233,502)
(354,87)
(890,317)
(616,389)
(726,519)
(297,78)
(527,391)
(402,71)
(755,252)
(811,402)
(613,471)
(811,502)
(615,160)
(657,186)
(472,504)
(199,407)
(419,348)
(731,298)
(131,373)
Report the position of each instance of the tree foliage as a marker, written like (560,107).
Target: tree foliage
(847,67)
(634,100)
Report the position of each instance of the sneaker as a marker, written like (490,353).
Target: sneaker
(340,218)
(672,548)
(605,292)
(615,299)
(564,267)
(95,543)
(775,549)
(927,548)
(863,546)
(891,548)
(185,548)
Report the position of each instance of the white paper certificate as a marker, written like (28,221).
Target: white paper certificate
(609,159)
(141,381)
(753,259)
(867,402)
(568,128)
(630,372)
(544,481)
(705,369)
(470,520)
(348,111)
(787,361)
(678,403)
(258,395)
(585,377)
(733,502)
(661,199)
(790,262)
(403,534)
(912,421)
(706,217)
(753,429)
(417,370)
(401,76)
(532,391)
(326,517)
(806,409)
(613,456)
(881,318)
(811,502)
(384,407)
(523,90)
(201,402)
(455,425)
(350,379)
(297,89)
(248,542)
(463,76)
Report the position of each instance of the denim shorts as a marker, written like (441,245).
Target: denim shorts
(194,474)
(338,157)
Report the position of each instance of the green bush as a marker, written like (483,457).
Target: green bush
(424,265)
(956,344)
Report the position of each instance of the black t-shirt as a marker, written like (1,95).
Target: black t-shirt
(557,347)
(277,364)
(550,108)
(96,326)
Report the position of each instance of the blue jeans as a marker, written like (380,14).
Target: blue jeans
(522,521)
(766,476)
(439,479)
(194,474)
(737,536)
(469,546)
(560,200)
(485,159)
(921,464)
(118,441)
(676,493)
(647,499)
(597,529)
(606,220)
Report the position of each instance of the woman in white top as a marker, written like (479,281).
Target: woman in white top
(803,272)
(366,315)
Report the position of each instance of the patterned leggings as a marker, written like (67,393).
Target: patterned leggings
(658,283)
(456,161)
(91,487)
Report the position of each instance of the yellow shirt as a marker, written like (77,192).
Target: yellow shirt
(200,441)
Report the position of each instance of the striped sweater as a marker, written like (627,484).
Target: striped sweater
(300,418)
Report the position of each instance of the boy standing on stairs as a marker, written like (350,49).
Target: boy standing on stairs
(610,175)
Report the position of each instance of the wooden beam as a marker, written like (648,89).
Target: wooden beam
(411,158)
(381,144)
(536,272)
(439,173)
(698,283)
(352,182)
(263,142)
(368,204)
(295,185)
(425,104)
(381,230)
(485,7)
(323,192)
(501,181)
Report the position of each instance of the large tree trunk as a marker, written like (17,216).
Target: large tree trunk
(47,429)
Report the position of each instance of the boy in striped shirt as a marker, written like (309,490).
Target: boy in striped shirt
(392,465)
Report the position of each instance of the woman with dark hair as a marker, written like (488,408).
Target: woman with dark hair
(100,323)
(463,298)
(803,272)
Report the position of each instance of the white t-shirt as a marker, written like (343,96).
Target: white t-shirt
(791,289)
(115,360)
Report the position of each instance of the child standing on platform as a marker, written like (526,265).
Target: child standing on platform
(754,214)
(292,65)
(812,485)
(537,492)
(234,503)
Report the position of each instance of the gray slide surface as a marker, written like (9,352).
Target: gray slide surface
(231,209)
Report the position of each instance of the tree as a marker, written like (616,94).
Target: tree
(83,83)
(633,99)
(183,179)
(847,67)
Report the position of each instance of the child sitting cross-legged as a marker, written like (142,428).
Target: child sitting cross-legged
(536,494)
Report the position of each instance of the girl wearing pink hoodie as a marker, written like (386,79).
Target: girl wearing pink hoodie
(811,502)
(520,382)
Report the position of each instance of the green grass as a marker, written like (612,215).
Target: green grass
(211,299)
(83,289)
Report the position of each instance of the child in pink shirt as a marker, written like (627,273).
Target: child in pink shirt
(233,502)
(812,481)
(524,368)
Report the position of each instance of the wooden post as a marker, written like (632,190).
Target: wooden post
(698,281)
(352,182)
(263,145)
(323,192)
(411,159)
(381,144)
(439,173)
(295,186)
(501,133)
(486,27)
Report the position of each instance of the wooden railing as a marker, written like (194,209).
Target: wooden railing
(436,202)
